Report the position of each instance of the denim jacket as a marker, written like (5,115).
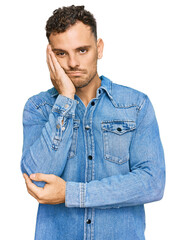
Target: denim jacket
(109,153)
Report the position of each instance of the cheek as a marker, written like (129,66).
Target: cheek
(91,61)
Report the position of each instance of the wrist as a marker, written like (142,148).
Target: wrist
(68,95)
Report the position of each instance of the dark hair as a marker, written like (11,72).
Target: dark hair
(65,17)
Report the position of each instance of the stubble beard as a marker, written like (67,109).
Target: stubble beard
(79,83)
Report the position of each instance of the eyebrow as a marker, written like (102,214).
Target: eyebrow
(61,50)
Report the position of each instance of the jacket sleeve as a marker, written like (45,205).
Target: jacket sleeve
(143,184)
(47,139)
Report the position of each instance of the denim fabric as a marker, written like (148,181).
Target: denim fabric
(110,154)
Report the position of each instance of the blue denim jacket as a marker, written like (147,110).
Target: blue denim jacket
(110,154)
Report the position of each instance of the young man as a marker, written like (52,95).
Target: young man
(92,154)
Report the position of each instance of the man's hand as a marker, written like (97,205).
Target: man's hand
(53,191)
(59,78)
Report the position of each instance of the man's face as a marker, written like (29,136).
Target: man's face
(77,52)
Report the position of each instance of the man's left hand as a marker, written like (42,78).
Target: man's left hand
(52,193)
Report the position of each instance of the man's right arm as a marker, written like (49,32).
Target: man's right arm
(47,141)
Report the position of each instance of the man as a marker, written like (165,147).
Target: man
(92,154)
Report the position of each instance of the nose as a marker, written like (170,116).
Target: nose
(73,62)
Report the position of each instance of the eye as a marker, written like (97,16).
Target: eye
(60,54)
(83,50)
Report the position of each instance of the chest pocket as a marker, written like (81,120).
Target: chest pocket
(73,147)
(117,136)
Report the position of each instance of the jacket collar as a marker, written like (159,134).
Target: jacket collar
(106,84)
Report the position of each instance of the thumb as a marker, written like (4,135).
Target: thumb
(41,177)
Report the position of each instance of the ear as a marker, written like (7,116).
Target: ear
(100,45)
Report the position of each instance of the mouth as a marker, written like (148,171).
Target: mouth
(75,73)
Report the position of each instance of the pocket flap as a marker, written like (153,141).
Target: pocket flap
(118,126)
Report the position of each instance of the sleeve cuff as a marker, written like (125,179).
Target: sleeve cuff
(64,106)
(75,194)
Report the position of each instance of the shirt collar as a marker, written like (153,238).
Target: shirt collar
(106,84)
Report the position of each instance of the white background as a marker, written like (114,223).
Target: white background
(145,48)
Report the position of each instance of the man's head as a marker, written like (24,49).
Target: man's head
(71,32)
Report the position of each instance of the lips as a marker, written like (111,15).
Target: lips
(75,73)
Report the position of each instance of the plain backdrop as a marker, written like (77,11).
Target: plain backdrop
(145,48)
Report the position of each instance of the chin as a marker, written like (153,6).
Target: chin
(81,84)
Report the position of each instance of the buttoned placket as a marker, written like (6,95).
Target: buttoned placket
(89,151)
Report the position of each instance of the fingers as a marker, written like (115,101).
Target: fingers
(31,187)
(48,178)
(49,61)
(31,193)
(52,193)
(53,62)
(53,65)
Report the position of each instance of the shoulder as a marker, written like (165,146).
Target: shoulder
(126,97)
(43,98)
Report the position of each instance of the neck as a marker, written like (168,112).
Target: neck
(88,92)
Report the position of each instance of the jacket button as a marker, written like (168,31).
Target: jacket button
(90,157)
(66,105)
(92,103)
(87,127)
(88,221)
(119,129)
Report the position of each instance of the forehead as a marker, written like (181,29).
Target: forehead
(75,36)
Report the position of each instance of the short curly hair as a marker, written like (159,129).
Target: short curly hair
(65,17)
